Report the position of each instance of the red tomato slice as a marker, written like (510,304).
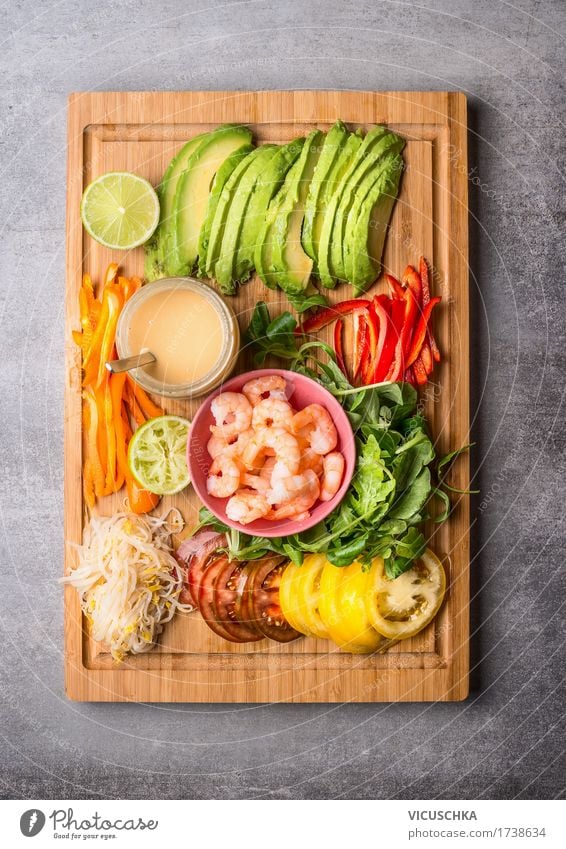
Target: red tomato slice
(262,592)
(242,607)
(199,561)
(224,603)
(206,599)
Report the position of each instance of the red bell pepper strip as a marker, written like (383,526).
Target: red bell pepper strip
(330,314)
(419,372)
(425,357)
(411,317)
(373,336)
(360,343)
(402,348)
(419,335)
(338,347)
(409,377)
(413,281)
(396,370)
(423,271)
(395,287)
(386,339)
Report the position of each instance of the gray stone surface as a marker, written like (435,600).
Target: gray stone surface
(507,740)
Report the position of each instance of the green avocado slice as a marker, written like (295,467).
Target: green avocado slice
(367,222)
(225,267)
(261,192)
(221,214)
(328,253)
(220,179)
(383,144)
(155,249)
(338,170)
(192,193)
(291,265)
(263,254)
(333,146)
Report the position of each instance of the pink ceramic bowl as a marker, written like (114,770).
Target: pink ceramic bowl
(304,391)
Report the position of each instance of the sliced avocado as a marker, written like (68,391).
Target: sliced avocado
(329,186)
(333,145)
(225,267)
(220,179)
(220,216)
(291,265)
(155,250)
(383,142)
(358,165)
(367,222)
(192,193)
(261,192)
(263,254)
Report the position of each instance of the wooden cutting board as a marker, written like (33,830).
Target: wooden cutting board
(140,131)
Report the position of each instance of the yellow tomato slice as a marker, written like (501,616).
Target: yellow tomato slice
(309,594)
(401,608)
(342,608)
(291,607)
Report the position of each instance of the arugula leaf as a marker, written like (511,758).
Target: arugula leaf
(407,549)
(408,464)
(346,554)
(444,465)
(372,483)
(414,498)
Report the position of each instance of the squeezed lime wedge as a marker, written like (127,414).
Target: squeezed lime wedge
(157,455)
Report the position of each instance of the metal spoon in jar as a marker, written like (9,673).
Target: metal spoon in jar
(127,363)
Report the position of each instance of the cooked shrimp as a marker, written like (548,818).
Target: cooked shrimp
(294,495)
(217,445)
(223,477)
(232,413)
(314,423)
(233,447)
(272,412)
(285,446)
(332,476)
(271,386)
(267,469)
(247,506)
(255,482)
(311,460)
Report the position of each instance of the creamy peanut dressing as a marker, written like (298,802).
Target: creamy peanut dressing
(182,329)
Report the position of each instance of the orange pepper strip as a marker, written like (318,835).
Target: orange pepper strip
(114,475)
(149,409)
(134,407)
(95,470)
(78,339)
(92,355)
(126,422)
(140,500)
(114,304)
(88,479)
(117,382)
(129,286)
(111,273)
(101,442)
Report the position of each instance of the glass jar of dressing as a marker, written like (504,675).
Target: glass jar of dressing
(193,334)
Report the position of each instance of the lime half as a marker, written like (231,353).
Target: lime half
(120,210)
(157,455)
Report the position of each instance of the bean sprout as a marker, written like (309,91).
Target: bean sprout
(128,580)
